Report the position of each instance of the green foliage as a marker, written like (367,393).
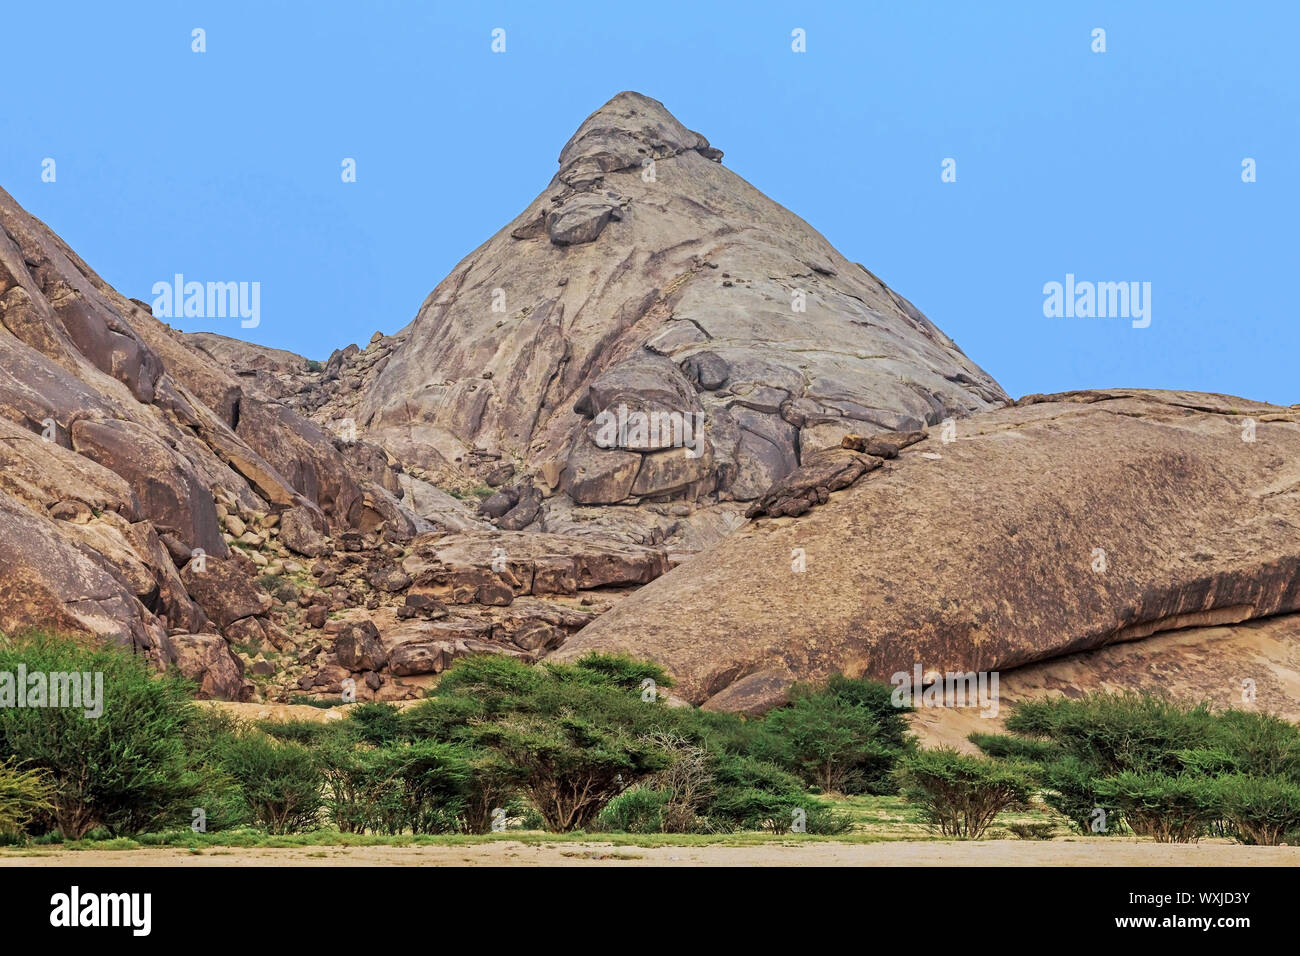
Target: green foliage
(1264,810)
(844,736)
(570,737)
(219,795)
(1032,831)
(127,769)
(1165,807)
(570,765)
(961,795)
(310,733)
(1154,765)
(280,781)
(619,670)
(376,723)
(1259,744)
(1072,792)
(315,366)
(422,787)
(1117,732)
(23,794)
(639,810)
(754,795)
(1005,746)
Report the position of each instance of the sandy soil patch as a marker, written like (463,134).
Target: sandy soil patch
(1081,852)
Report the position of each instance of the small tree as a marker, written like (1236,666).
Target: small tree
(834,746)
(961,795)
(425,783)
(377,723)
(570,766)
(1167,808)
(126,769)
(1263,809)
(280,781)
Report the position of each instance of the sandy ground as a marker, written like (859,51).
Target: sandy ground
(1082,852)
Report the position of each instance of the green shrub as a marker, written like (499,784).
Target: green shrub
(310,733)
(1005,746)
(639,810)
(1032,831)
(1072,792)
(492,783)
(280,781)
(23,794)
(844,736)
(961,795)
(354,785)
(376,723)
(423,787)
(1168,808)
(569,737)
(127,769)
(1264,810)
(1118,732)
(1259,744)
(755,795)
(219,796)
(570,765)
(618,670)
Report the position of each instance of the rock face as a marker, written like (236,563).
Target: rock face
(649,279)
(131,467)
(1254,665)
(1062,524)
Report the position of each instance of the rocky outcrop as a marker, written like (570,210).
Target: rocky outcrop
(140,481)
(1063,524)
(649,280)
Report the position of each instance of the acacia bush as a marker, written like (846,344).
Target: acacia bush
(126,770)
(843,736)
(638,810)
(1168,808)
(960,795)
(1263,810)
(1158,767)
(281,782)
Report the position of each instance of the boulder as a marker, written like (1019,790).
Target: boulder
(301,533)
(1065,523)
(206,660)
(358,647)
(222,589)
(811,484)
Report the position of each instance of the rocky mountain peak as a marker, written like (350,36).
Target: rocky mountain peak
(649,278)
(627,133)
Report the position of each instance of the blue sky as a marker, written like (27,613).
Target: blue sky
(1115,166)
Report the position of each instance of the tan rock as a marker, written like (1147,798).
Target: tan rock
(1062,524)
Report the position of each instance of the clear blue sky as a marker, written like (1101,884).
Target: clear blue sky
(1122,166)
